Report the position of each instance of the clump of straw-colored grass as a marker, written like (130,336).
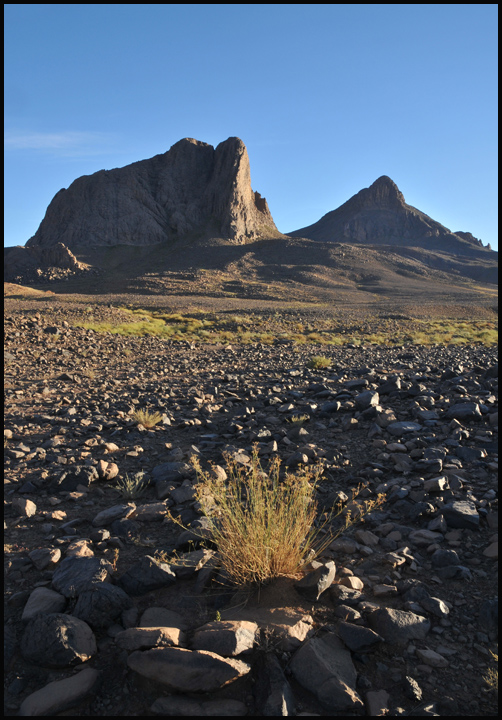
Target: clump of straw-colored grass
(264,526)
(147,419)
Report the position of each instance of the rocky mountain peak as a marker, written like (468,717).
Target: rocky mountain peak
(379,215)
(385,193)
(193,190)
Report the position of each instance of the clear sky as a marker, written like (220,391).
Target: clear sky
(327,98)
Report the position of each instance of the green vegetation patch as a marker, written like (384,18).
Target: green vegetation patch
(242,329)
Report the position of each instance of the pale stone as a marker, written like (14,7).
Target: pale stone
(429,657)
(106,517)
(226,637)
(352,582)
(79,548)
(289,626)
(60,695)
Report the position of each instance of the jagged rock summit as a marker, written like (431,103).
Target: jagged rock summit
(379,215)
(193,189)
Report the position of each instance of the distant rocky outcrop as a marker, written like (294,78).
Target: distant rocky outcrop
(193,190)
(379,215)
(39,264)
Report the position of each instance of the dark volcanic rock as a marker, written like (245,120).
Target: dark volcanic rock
(192,188)
(57,640)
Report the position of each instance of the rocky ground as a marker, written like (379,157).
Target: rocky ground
(111,611)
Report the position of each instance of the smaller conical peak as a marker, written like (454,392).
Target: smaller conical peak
(383,193)
(384,180)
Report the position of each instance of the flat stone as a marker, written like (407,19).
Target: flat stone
(464,411)
(151,512)
(429,657)
(226,637)
(61,695)
(145,638)
(403,427)
(187,670)
(470,454)
(461,514)
(424,537)
(43,600)
(398,626)
(382,590)
(106,517)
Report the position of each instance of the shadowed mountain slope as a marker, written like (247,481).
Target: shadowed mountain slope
(379,215)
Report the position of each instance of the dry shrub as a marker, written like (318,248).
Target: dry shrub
(147,419)
(264,526)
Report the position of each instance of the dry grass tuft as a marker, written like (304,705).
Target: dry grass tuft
(263,525)
(147,419)
(319,361)
(492,676)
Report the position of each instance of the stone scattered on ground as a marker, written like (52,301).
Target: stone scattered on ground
(112,608)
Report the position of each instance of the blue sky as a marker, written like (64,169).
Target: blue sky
(327,98)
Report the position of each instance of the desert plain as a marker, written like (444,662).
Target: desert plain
(392,397)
